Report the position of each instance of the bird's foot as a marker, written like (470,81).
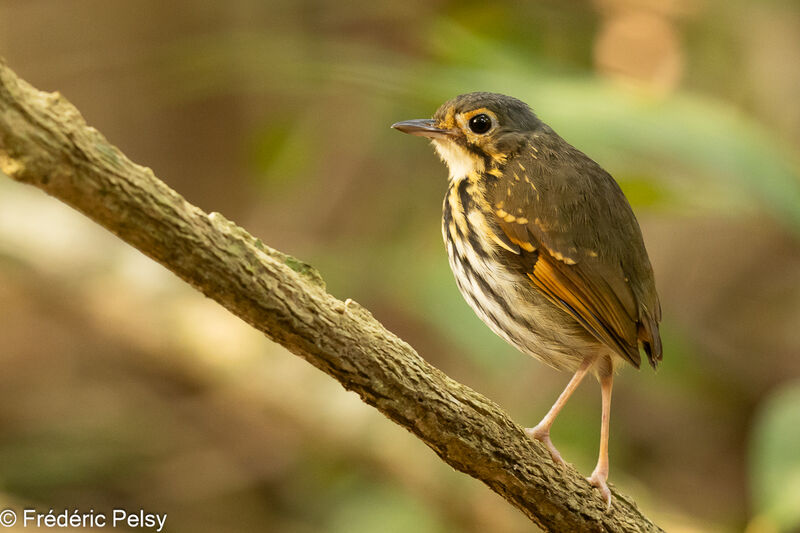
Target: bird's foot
(598,480)
(543,435)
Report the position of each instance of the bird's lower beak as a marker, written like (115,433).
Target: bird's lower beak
(422,127)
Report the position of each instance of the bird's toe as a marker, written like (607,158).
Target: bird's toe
(598,480)
(543,436)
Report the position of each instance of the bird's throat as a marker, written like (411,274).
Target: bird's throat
(460,162)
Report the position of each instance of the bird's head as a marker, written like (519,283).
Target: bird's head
(474,130)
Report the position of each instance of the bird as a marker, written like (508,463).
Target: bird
(545,248)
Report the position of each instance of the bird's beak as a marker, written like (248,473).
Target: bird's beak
(422,127)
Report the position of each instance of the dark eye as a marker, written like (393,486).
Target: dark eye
(480,123)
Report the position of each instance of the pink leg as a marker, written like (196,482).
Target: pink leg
(600,474)
(541,431)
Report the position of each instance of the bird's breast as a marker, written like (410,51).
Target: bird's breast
(497,293)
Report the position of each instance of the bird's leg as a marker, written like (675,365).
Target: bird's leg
(600,474)
(541,431)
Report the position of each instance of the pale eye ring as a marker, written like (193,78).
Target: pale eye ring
(480,123)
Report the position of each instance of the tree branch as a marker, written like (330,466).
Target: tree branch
(45,142)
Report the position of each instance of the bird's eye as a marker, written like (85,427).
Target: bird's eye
(480,123)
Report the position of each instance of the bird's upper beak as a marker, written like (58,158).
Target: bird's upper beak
(423,127)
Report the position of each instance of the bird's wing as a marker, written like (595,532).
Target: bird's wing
(560,212)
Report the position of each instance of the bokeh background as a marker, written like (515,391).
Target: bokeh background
(122,387)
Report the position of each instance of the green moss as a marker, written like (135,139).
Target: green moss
(304,269)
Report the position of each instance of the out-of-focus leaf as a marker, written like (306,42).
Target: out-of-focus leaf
(377,508)
(775,462)
(282,151)
(644,191)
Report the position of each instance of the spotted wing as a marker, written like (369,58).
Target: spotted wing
(591,260)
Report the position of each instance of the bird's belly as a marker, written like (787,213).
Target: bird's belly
(512,308)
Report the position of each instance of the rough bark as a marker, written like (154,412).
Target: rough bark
(45,142)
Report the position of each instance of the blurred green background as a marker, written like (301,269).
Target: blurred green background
(121,387)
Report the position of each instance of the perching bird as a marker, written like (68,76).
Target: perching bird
(544,247)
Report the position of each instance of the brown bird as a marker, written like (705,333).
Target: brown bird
(544,247)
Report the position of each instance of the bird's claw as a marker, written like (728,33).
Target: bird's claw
(598,480)
(543,436)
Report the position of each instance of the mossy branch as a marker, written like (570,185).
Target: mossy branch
(45,142)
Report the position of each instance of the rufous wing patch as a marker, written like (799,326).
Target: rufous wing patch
(600,313)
